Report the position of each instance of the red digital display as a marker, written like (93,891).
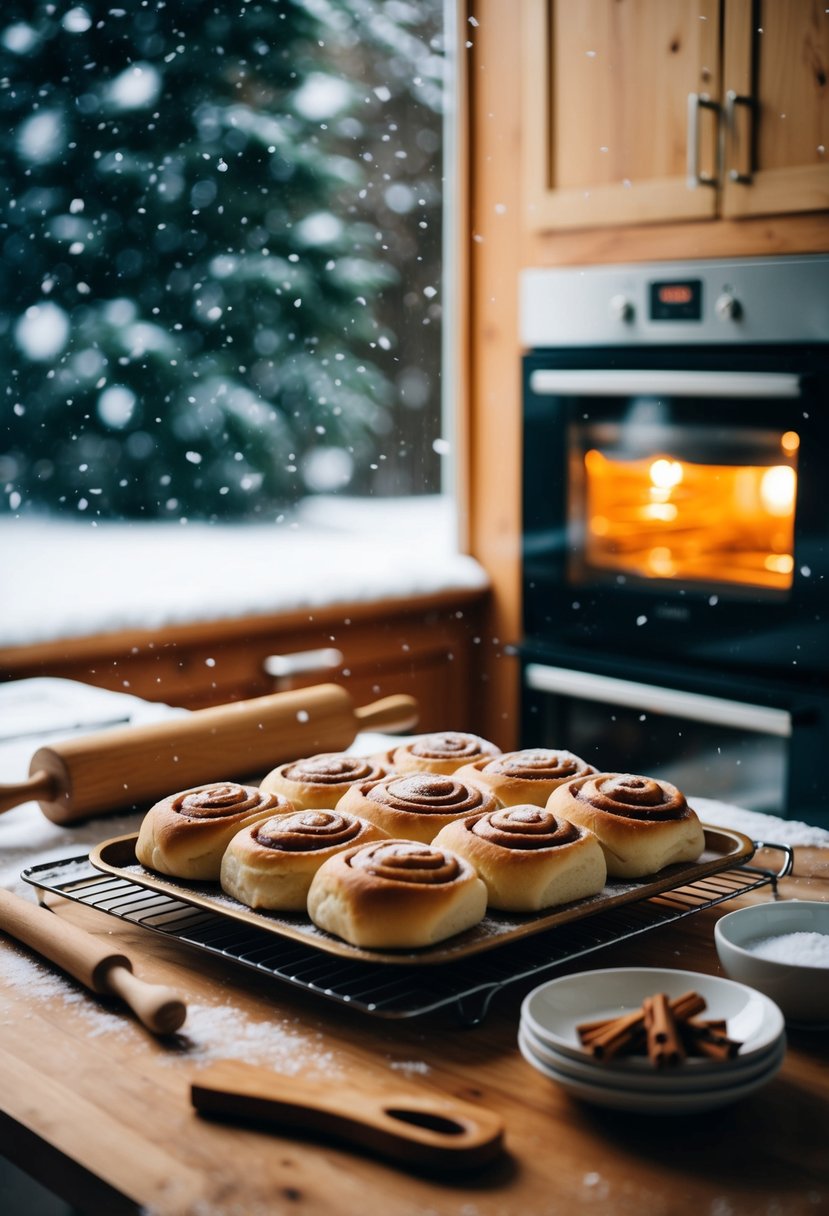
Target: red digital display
(675,293)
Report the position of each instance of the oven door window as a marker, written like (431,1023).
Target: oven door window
(728,764)
(691,492)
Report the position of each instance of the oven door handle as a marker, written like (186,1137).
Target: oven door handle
(651,698)
(603,382)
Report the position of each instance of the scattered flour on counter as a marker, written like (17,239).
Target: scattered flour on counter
(210,1032)
(221,1032)
(758,826)
(39,983)
(411,1067)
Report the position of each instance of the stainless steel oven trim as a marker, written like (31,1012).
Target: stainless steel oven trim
(651,698)
(622,382)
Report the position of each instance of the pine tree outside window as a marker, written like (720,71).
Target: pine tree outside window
(221,231)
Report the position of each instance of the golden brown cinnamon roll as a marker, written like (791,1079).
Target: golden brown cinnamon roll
(525,776)
(528,858)
(642,824)
(415,806)
(396,894)
(270,864)
(321,781)
(186,834)
(442,752)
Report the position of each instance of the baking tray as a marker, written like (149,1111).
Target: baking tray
(724,849)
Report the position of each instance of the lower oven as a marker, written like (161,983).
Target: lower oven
(675,526)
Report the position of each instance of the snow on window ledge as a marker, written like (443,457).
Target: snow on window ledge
(65,579)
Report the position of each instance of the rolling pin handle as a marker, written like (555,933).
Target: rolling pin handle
(39,787)
(396,713)
(160,1009)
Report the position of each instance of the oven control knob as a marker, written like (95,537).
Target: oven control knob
(728,307)
(621,308)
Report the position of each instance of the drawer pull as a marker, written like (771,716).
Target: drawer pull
(300,663)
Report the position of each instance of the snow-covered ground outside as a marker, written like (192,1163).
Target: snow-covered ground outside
(62,578)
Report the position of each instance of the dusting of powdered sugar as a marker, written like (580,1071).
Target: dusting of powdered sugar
(221,1032)
(210,1032)
(411,1067)
(39,984)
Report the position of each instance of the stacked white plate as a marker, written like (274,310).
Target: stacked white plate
(548,1039)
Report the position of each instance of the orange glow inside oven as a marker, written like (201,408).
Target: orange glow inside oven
(660,517)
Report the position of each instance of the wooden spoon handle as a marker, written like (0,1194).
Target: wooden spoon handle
(414,1126)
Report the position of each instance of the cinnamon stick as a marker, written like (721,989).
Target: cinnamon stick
(669,1030)
(663,1039)
(611,1035)
(706,1039)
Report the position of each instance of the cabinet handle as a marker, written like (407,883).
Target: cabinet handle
(696,103)
(732,100)
(302,661)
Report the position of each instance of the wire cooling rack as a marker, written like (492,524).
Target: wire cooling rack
(466,988)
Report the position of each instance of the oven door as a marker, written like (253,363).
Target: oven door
(676,511)
(751,745)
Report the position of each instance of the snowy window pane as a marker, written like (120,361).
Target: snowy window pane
(223,283)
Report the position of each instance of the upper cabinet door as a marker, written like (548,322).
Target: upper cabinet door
(776,107)
(621,113)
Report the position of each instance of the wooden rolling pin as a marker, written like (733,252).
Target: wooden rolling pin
(134,765)
(94,963)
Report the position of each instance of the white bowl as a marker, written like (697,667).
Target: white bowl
(644,1102)
(684,1079)
(801,990)
(554,1009)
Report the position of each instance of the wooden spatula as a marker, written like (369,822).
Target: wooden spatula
(415,1127)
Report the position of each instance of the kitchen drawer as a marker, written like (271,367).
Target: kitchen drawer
(427,647)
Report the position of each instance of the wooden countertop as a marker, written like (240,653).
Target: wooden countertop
(99,1110)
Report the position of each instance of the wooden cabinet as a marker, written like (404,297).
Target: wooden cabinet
(775,99)
(644,111)
(429,647)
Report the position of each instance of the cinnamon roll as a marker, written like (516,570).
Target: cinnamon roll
(642,823)
(186,834)
(530,775)
(442,752)
(320,781)
(270,864)
(396,894)
(528,858)
(415,806)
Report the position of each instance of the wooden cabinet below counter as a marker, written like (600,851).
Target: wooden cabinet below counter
(426,646)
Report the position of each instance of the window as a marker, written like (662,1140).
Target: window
(221,228)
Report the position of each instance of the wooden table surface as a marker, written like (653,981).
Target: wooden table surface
(97,1109)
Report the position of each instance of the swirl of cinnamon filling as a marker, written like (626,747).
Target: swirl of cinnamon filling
(331,768)
(305,831)
(427,793)
(225,799)
(523,827)
(539,764)
(633,797)
(451,745)
(407,861)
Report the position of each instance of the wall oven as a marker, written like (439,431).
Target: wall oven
(676,524)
